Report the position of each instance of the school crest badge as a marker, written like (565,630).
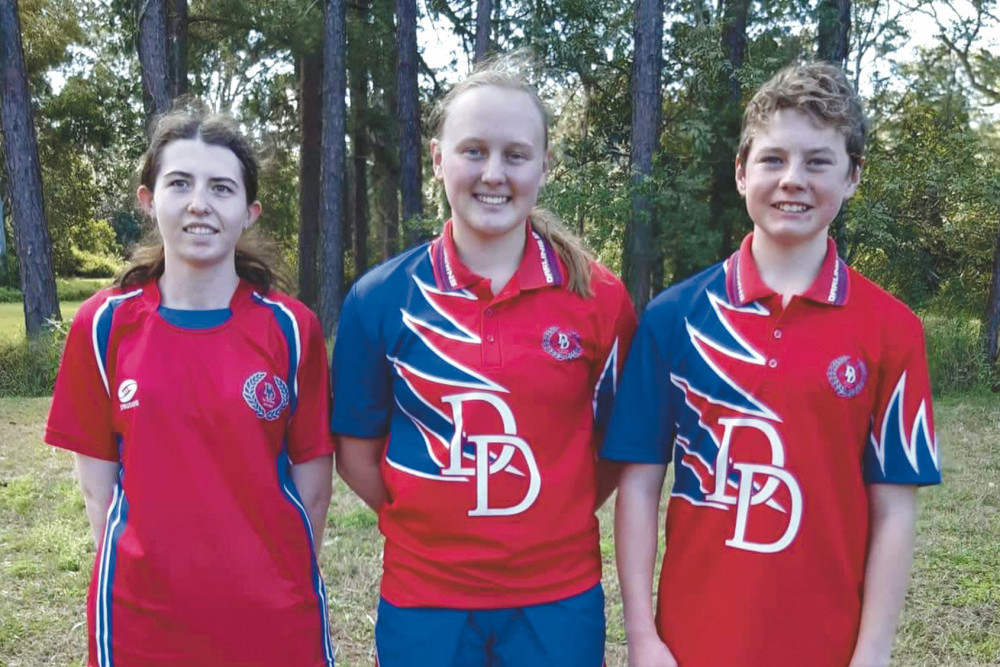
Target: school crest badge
(562,344)
(266,397)
(847,376)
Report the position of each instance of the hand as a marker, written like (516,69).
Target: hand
(649,651)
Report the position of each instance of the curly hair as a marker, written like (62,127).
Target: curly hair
(509,72)
(819,89)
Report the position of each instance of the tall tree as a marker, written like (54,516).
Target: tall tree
(24,178)
(154,59)
(408,114)
(646,103)
(385,146)
(357,64)
(310,68)
(484,16)
(177,41)
(331,217)
(833,32)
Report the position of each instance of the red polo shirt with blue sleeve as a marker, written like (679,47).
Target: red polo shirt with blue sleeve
(776,418)
(490,405)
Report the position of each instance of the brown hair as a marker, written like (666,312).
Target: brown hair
(255,256)
(507,71)
(819,89)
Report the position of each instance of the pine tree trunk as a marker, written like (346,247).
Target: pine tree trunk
(646,102)
(484,15)
(408,116)
(333,160)
(311,125)
(358,66)
(992,315)
(177,27)
(833,30)
(24,178)
(151,19)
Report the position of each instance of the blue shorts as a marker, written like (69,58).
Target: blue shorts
(564,633)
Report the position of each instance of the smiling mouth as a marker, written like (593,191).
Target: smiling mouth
(493,200)
(200,230)
(792,208)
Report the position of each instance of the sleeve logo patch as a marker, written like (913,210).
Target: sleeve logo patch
(266,397)
(847,376)
(562,345)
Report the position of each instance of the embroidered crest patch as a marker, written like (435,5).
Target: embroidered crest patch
(562,344)
(267,398)
(847,376)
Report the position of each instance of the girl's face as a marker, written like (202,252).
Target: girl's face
(199,203)
(492,159)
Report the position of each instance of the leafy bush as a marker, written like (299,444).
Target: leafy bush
(28,367)
(10,295)
(955,353)
(78,289)
(93,265)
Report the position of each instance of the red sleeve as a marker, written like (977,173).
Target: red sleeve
(618,306)
(80,416)
(309,429)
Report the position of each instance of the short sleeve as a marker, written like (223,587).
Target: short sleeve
(308,431)
(902,447)
(615,350)
(641,429)
(362,383)
(80,416)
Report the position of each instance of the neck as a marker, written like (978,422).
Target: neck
(788,269)
(189,288)
(492,257)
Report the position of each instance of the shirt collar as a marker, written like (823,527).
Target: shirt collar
(744,284)
(540,265)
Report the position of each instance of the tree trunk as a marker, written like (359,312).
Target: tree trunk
(331,216)
(646,102)
(484,15)
(358,65)
(177,39)
(311,125)
(992,318)
(833,30)
(24,178)
(385,148)
(151,20)
(408,115)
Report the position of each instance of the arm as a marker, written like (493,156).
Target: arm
(314,481)
(359,463)
(892,509)
(608,474)
(636,535)
(97,481)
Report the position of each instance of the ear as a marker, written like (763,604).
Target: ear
(854,179)
(253,212)
(436,158)
(741,177)
(145,197)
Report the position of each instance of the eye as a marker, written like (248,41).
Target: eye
(517,156)
(820,162)
(473,152)
(770,159)
(177,183)
(222,189)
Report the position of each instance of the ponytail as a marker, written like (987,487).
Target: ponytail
(575,258)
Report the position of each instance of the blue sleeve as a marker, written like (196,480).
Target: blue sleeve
(642,424)
(362,380)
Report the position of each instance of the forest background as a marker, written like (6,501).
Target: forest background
(647,97)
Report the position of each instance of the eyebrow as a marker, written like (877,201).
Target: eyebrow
(211,179)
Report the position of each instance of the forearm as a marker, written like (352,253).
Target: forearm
(887,571)
(608,474)
(314,482)
(359,465)
(97,483)
(636,535)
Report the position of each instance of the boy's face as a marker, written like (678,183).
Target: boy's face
(796,176)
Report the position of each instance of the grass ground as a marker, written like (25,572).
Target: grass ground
(952,615)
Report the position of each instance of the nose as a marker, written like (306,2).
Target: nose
(199,202)
(493,171)
(794,176)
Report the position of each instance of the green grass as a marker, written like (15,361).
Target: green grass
(72,292)
(952,614)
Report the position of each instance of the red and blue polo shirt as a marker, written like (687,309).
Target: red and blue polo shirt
(207,556)
(489,405)
(775,419)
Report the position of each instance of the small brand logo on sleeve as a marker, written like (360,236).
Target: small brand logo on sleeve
(126,395)
(847,376)
(266,397)
(562,344)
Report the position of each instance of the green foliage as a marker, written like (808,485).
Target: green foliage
(28,367)
(10,295)
(954,354)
